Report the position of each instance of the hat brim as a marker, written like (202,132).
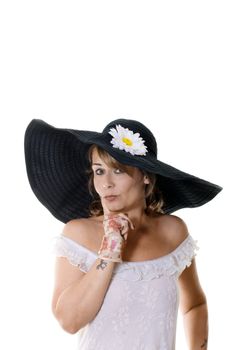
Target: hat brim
(57,164)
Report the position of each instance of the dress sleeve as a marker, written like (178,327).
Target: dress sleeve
(185,254)
(76,254)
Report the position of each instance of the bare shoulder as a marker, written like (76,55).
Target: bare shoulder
(173,222)
(174,228)
(84,231)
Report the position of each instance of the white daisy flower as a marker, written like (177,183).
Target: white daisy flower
(126,140)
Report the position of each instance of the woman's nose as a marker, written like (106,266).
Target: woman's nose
(107,185)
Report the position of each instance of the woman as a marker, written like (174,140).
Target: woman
(124,262)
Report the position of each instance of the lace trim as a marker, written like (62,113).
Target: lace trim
(75,253)
(171,264)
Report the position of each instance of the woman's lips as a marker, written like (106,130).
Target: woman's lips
(110,198)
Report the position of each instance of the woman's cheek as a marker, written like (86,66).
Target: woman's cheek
(96,185)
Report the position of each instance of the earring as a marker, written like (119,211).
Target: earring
(146,180)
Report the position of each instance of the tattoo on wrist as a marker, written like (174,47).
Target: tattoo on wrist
(102,264)
(204,345)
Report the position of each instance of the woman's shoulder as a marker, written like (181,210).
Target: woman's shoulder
(82,223)
(173,228)
(172,220)
(83,231)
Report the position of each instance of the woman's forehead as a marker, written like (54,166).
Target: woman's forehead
(106,160)
(102,157)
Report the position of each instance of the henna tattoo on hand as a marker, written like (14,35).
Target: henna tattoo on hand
(102,264)
(204,345)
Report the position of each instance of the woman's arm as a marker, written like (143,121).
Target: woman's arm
(193,305)
(78,296)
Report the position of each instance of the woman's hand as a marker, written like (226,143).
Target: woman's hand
(116,227)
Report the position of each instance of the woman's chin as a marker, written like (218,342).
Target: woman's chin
(115,208)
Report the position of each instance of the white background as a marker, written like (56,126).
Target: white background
(81,64)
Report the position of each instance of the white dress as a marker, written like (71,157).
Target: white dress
(140,308)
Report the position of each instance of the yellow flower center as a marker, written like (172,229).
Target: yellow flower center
(127,141)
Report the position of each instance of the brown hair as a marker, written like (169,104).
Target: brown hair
(154,198)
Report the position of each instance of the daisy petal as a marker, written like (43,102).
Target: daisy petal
(125,139)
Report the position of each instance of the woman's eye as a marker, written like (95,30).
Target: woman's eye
(98,171)
(118,171)
(101,171)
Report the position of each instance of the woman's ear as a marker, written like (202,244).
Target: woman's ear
(146,180)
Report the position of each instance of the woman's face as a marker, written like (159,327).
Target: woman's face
(118,190)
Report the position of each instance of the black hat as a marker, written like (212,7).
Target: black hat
(57,163)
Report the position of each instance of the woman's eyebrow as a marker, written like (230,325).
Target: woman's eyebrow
(96,164)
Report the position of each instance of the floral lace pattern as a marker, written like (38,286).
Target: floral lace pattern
(139,311)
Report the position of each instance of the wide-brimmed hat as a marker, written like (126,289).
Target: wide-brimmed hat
(57,163)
